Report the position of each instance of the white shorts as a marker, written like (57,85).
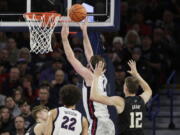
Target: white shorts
(104,126)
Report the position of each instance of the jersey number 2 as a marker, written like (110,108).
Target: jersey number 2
(135,120)
(68,125)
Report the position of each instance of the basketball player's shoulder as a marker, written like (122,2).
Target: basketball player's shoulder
(130,99)
(53,113)
(39,128)
(136,99)
(139,98)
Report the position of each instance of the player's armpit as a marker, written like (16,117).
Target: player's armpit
(49,125)
(85,126)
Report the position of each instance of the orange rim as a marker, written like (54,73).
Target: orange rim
(72,33)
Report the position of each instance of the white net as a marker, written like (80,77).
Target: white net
(41,29)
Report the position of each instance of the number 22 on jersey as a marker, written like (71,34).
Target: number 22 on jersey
(68,123)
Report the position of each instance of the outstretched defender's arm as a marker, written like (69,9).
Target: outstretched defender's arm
(86,42)
(80,69)
(116,101)
(146,95)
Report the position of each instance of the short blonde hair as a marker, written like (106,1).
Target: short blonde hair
(132,84)
(37,109)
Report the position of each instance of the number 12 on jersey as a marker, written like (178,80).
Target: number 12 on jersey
(135,120)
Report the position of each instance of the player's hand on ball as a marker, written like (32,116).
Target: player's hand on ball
(132,65)
(99,69)
(65,30)
(84,24)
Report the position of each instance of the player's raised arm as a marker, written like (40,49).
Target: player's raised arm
(116,101)
(146,95)
(83,71)
(86,42)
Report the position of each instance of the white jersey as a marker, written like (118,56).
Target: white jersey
(94,110)
(67,122)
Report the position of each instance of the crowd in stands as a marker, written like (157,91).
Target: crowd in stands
(149,34)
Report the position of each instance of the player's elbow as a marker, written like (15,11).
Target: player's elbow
(150,92)
(95,98)
(92,97)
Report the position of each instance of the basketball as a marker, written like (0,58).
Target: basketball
(77,13)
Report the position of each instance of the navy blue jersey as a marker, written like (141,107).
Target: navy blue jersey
(31,130)
(130,121)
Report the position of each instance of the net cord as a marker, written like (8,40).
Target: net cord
(40,32)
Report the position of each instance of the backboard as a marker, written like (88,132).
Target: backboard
(102,14)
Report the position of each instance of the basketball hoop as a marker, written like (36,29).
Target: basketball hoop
(41,26)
